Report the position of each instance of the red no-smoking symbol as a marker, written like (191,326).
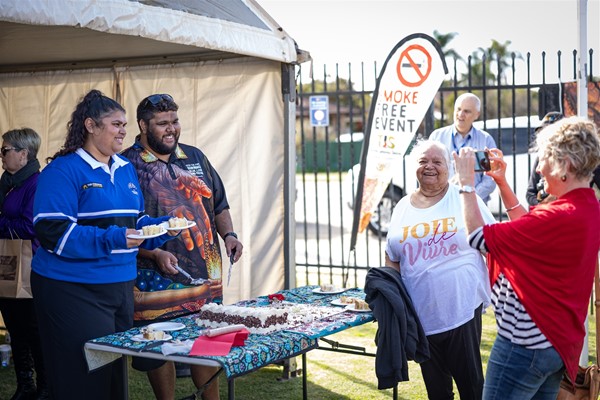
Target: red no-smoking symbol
(414,65)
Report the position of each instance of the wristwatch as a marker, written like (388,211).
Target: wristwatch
(230,234)
(466,189)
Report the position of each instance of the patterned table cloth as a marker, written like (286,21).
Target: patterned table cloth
(259,350)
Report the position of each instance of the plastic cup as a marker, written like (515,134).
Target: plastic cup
(5,354)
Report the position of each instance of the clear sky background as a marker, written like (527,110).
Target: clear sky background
(354,31)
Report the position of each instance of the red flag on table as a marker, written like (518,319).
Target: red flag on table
(406,86)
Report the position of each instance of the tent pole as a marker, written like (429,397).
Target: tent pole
(288,87)
(582,111)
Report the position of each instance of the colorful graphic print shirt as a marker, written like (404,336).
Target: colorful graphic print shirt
(187,186)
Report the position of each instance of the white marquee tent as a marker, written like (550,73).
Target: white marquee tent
(228,65)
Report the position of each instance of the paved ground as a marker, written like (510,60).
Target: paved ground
(323,230)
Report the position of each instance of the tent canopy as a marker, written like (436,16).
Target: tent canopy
(73,34)
(228,66)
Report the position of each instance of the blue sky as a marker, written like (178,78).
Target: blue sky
(351,31)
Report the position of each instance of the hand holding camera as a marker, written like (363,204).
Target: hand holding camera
(482,161)
(468,161)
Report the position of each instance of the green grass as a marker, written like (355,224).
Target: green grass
(330,375)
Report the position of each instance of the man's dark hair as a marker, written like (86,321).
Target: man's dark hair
(154,104)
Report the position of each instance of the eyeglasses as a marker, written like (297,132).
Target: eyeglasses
(5,150)
(156,99)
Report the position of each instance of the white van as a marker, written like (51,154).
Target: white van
(513,136)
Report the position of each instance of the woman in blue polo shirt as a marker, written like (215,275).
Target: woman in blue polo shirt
(87,202)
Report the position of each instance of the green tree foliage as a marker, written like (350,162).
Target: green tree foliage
(499,61)
(485,70)
(443,40)
(349,105)
(341,88)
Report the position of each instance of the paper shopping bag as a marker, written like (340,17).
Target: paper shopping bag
(15,268)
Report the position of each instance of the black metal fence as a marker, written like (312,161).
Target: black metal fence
(512,90)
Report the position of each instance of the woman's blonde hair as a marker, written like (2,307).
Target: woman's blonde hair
(570,145)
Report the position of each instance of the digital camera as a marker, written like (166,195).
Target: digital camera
(482,161)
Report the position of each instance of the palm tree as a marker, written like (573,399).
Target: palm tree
(451,55)
(498,54)
(444,40)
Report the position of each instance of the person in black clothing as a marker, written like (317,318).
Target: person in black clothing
(535,190)
(596,182)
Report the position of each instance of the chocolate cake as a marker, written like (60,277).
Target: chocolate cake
(255,319)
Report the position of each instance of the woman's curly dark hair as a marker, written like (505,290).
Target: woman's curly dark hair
(94,105)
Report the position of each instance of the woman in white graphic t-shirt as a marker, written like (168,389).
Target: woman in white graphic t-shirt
(445,277)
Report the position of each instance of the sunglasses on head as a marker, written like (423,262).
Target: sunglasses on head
(156,99)
(5,150)
(549,120)
(553,118)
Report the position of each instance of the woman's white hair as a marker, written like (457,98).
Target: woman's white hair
(423,145)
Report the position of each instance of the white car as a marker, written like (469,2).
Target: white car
(513,136)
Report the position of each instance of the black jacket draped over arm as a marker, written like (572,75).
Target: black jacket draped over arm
(400,336)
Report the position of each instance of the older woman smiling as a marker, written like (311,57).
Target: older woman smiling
(445,277)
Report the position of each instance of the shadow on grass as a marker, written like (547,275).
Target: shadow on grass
(347,377)
(263,384)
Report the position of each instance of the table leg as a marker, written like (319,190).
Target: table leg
(120,369)
(304,373)
(290,369)
(231,389)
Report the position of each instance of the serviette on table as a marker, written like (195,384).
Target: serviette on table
(219,345)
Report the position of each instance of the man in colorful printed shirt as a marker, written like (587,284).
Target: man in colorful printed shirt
(178,180)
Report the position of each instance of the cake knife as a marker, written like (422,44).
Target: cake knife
(193,281)
(221,331)
(230,265)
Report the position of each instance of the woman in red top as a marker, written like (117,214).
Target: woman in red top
(541,263)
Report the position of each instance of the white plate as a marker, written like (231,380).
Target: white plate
(166,226)
(166,326)
(140,338)
(339,302)
(350,307)
(141,236)
(319,291)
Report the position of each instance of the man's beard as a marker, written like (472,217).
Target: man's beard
(159,147)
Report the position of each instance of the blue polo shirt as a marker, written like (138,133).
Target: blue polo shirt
(82,209)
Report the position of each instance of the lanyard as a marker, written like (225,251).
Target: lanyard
(463,145)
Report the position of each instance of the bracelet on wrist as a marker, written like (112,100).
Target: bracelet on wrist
(513,207)
(230,234)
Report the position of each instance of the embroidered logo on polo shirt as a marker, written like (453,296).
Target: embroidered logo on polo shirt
(133,188)
(195,169)
(92,185)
